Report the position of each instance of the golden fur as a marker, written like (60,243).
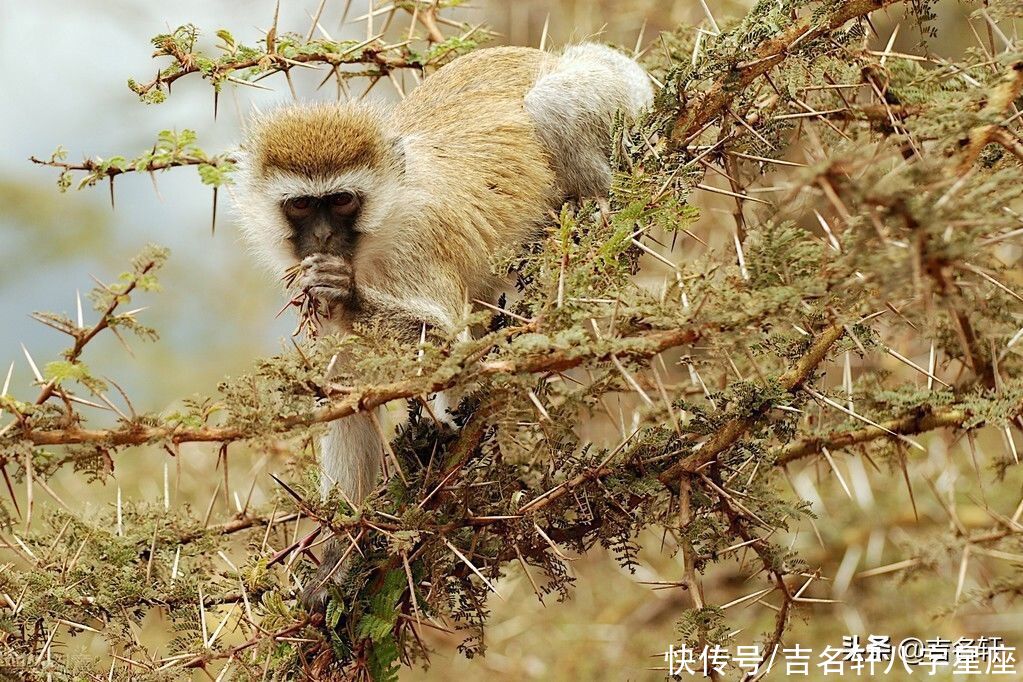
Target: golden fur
(474,176)
(318,141)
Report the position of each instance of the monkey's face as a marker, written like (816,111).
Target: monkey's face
(323,224)
(319,178)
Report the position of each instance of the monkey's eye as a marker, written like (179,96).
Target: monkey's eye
(300,207)
(344,204)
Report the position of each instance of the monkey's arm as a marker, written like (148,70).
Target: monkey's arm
(331,280)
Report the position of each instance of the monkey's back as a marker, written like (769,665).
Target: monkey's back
(493,141)
(481,82)
(484,178)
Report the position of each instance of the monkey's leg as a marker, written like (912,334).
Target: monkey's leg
(314,594)
(441,407)
(574,107)
(351,451)
(406,318)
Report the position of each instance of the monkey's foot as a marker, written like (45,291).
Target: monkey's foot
(315,594)
(314,598)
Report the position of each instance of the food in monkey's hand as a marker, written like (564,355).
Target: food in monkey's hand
(309,307)
(324,289)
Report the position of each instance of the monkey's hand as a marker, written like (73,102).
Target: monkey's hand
(330,281)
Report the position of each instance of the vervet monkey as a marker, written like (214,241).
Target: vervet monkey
(395,216)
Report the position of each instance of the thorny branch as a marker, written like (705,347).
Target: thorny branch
(282,53)
(93,167)
(696,114)
(791,381)
(365,399)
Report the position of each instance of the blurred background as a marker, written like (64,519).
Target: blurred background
(64,84)
(213,315)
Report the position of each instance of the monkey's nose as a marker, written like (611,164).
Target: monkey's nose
(322,233)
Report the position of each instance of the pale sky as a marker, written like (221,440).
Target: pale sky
(64,83)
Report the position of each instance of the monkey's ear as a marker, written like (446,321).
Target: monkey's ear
(242,158)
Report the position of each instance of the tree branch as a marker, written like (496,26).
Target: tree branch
(765,57)
(371,55)
(642,346)
(909,424)
(94,167)
(734,428)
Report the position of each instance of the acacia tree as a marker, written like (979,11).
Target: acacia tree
(875,198)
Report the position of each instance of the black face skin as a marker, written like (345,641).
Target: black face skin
(323,224)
